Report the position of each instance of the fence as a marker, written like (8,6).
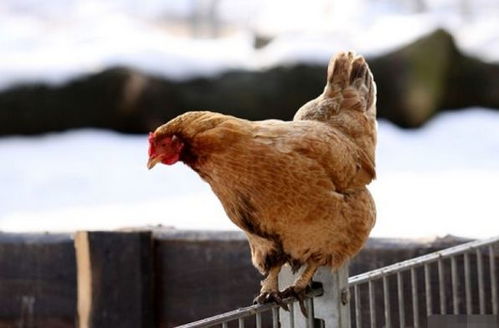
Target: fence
(257,313)
(421,271)
(328,304)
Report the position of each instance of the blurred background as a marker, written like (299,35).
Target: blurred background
(83,81)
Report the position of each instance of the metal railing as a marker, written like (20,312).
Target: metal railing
(399,295)
(326,306)
(256,312)
(428,276)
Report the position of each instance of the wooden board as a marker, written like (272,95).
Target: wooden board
(115,279)
(37,280)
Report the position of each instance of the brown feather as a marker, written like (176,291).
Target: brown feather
(298,189)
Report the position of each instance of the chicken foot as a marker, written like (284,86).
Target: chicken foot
(299,288)
(270,289)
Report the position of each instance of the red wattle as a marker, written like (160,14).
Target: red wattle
(152,149)
(171,160)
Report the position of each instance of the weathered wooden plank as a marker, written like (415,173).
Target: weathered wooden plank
(115,279)
(37,280)
(201,274)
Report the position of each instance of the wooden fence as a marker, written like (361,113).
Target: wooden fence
(142,278)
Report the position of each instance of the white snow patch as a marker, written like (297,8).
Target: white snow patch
(441,179)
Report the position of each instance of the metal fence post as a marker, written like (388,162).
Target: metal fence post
(331,308)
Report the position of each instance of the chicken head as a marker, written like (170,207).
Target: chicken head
(164,149)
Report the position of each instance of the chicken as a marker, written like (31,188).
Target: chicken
(296,188)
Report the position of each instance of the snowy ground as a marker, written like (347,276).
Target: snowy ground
(53,41)
(439,180)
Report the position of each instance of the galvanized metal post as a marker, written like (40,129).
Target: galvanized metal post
(331,308)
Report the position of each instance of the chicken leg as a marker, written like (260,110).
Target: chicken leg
(270,289)
(299,287)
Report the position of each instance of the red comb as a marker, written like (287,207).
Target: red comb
(151,143)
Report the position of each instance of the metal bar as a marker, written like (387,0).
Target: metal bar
(310,311)
(441,287)
(493,280)
(292,315)
(372,309)
(481,292)
(400,293)
(225,325)
(428,258)
(358,307)
(275,317)
(427,283)
(455,300)
(467,283)
(386,299)
(240,322)
(258,318)
(243,312)
(415,307)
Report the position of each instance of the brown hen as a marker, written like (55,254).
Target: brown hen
(297,189)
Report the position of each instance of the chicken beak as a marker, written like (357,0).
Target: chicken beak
(153,161)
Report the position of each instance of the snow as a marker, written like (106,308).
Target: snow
(53,41)
(441,179)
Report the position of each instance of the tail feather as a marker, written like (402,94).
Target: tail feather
(348,104)
(359,70)
(350,77)
(350,85)
(338,71)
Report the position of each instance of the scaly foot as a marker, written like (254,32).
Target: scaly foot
(299,294)
(269,297)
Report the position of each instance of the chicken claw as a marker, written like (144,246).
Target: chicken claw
(269,297)
(299,294)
